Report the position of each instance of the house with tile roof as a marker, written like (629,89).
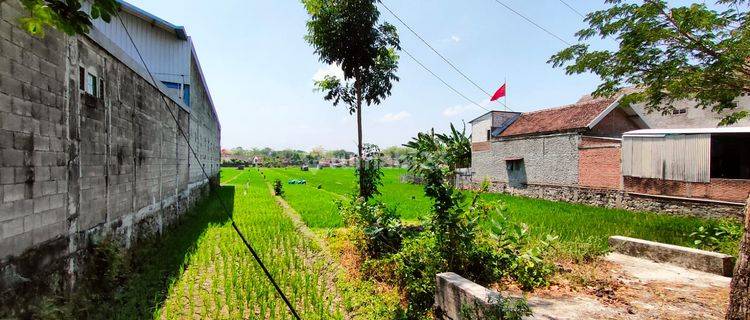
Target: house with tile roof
(545,147)
(579,153)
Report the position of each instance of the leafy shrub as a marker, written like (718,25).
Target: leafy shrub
(371,176)
(713,237)
(378,226)
(278,188)
(515,256)
(416,266)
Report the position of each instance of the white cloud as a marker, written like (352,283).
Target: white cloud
(452,39)
(456,110)
(330,70)
(472,109)
(393,117)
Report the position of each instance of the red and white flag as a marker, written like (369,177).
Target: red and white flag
(499,93)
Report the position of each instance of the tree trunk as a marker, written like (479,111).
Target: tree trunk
(739,295)
(360,149)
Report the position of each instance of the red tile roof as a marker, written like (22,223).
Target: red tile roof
(572,117)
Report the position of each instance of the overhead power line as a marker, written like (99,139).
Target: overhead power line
(221,200)
(444,59)
(533,23)
(573,9)
(441,79)
(433,49)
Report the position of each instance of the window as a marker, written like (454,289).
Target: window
(730,156)
(489,134)
(90,83)
(185,90)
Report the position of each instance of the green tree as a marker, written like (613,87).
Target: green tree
(454,149)
(669,53)
(66,15)
(347,33)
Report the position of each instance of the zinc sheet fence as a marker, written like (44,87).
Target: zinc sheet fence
(681,157)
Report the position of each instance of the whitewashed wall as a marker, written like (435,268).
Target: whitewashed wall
(479,128)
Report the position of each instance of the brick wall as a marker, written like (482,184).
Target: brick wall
(599,163)
(614,125)
(717,189)
(74,167)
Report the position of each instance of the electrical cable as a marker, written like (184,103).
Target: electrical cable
(221,200)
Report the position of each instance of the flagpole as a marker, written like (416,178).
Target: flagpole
(505,80)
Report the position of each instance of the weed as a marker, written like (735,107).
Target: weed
(278,188)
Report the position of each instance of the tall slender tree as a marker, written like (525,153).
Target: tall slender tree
(348,33)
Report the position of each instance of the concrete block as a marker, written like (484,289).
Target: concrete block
(7,175)
(454,293)
(706,261)
(14,192)
(12,227)
(57,201)
(41,204)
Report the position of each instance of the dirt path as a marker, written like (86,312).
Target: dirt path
(634,288)
(331,267)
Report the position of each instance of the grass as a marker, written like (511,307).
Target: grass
(583,230)
(408,199)
(201,269)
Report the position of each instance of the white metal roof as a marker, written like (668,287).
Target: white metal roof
(687,131)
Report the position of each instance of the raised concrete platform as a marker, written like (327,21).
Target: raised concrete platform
(454,293)
(706,261)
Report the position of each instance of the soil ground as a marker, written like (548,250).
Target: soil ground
(624,287)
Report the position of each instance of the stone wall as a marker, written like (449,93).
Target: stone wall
(619,199)
(550,159)
(77,167)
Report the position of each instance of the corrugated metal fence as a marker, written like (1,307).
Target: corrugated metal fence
(670,157)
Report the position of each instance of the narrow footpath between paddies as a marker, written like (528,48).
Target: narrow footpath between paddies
(208,273)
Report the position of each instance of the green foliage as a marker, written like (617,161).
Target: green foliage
(379,226)
(517,257)
(669,53)
(278,188)
(370,174)
(347,33)
(712,237)
(454,148)
(65,15)
(417,264)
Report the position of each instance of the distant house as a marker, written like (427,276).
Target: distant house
(599,153)
(550,146)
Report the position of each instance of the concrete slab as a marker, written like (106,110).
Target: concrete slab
(707,261)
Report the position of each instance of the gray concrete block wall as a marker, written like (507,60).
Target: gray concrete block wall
(32,135)
(73,166)
(550,159)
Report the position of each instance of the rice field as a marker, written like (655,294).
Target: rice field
(582,229)
(200,269)
(218,278)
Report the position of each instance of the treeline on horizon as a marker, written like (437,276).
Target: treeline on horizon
(269,156)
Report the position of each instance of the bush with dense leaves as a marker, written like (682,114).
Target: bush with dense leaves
(375,225)
(278,188)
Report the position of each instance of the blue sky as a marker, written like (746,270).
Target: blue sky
(260,70)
